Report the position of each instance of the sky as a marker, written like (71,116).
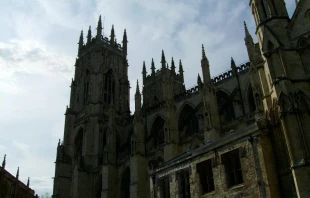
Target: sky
(38,47)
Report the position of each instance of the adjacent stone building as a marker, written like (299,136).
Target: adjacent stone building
(244,133)
(12,187)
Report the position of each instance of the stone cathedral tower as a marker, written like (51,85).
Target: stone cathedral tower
(98,125)
(243,133)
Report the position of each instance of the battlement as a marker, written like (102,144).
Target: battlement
(229,74)
(158,73)
(105,42)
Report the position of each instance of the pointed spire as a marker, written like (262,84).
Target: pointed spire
(137,88)
(112,35)
(233,64)
(163,60)
(28,182)
(137,99)
(143,68)
(180,67)
(249,43)
(17,174)
(167,66)
(4,162)
(172,66)
(233,67)
(115,42)
(203,53)
(89,35)
(125,41)
(199,80)
(99,29)
(143,72)
(81,41)
(205,67)
(181,71)
(247,33)
(153,67)
(125,36)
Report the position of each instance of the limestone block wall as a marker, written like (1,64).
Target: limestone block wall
(250,186)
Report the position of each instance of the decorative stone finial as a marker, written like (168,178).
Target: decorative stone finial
(28,182)
(4,162)
(137,88)
(17,174)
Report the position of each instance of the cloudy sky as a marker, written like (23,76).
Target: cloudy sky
(38,46)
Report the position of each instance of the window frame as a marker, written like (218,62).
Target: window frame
(205,172)
(233,168)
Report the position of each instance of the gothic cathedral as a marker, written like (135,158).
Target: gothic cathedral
(244,133)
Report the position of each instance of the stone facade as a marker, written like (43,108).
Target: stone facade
(244,133)
(12,187)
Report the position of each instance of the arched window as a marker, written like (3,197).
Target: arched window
(304,51)
(226,108)
(109,88)
(251,100)
(78,146)
(125,184)
(86,87)
(158,132)
(103,142)
(188,121)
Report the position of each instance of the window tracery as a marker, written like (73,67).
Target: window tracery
(109,88)
(188,121)
(78,146)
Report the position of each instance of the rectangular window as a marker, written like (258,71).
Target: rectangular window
(233,170)
(205,172)
(164,187)
(184,184)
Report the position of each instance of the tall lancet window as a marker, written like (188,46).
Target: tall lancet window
(109,88)
(304,46)
(86,87)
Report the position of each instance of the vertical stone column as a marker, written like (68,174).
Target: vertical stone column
(139,181)
(109,183)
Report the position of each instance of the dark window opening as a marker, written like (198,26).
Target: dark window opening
(233,170)
(305,57)
(164,187)
(205,172)
(86,87)
(188,122)
(184,184)
(225,105)
(158,132)
(109,88)
(102,144)
(78,146)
